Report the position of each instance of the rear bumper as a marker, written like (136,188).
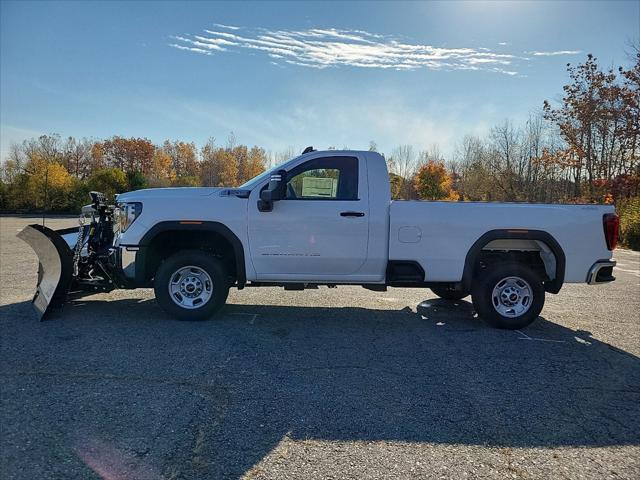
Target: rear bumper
(601,272)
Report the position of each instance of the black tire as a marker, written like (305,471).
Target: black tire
(204,261)
(490,278)
(448,293)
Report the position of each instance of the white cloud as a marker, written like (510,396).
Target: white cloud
(331,47)
(228,27)
(556,53)
(190,49)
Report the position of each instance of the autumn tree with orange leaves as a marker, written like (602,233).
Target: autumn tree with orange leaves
(433,182)
(128,154)
(598,119)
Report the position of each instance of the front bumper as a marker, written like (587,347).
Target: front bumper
(127,259)
(601,272)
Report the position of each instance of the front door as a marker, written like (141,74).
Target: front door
(320,229)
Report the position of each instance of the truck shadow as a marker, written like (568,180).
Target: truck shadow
(266,374)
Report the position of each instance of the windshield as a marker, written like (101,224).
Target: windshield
(256,180)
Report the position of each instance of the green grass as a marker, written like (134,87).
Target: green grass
(629,211)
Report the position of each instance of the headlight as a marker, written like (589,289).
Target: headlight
(126,213)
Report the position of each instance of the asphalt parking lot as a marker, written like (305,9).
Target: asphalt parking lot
(328,383)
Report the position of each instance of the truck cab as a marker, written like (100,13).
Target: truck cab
(331,224)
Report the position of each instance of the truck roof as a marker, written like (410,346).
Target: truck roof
(339,152)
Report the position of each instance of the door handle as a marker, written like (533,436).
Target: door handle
(352,214)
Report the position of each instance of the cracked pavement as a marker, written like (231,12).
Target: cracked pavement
(328,383)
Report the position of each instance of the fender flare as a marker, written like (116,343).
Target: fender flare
(552,286)
(192,225)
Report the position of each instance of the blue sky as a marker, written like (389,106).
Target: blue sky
(294,74)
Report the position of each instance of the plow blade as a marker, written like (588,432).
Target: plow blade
(55,269)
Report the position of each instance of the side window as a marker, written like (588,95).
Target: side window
(328,178)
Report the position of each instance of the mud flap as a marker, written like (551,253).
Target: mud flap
(55,269)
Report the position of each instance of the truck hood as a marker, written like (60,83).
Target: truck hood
(168,193)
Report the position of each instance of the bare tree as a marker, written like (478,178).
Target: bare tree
(76,156)
(403,163)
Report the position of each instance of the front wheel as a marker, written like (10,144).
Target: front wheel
(191,285)
(508,296)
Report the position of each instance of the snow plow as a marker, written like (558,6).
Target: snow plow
(73,261)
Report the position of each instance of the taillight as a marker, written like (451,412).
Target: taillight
(611,224)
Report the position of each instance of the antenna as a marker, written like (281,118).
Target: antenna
(308,150)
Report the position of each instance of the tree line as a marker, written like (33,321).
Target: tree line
(56,174)
(583,148)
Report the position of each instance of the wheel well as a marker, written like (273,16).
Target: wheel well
(529,258)
(536,249)
(168,242)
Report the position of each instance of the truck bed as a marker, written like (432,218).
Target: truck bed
(439,234)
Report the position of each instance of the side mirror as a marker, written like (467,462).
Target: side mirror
(276,190)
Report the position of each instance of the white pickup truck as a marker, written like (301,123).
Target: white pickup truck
(324,218)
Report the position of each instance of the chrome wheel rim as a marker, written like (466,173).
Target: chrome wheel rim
(190,287)
(512,297)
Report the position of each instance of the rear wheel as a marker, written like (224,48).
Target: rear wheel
(191,285)
(449,293)
(509,295)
